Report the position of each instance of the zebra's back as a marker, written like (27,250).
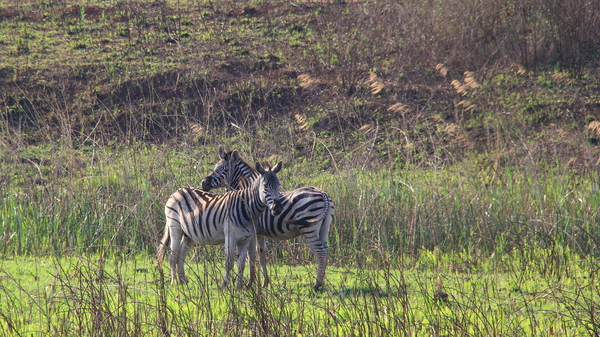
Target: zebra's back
(303,208)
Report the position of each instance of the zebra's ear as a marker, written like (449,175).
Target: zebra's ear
(222,152)
(259,168)
(235,155)
(277,167)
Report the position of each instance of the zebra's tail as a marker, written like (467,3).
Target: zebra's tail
(162,246)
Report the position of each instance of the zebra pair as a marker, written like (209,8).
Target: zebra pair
(307,211)
(210,219)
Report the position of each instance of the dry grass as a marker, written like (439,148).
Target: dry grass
(594,126)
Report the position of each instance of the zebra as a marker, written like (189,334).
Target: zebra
(307,211)
(210,219)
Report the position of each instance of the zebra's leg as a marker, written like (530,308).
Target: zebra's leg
(322,257)
(183,251)
(229,255)
(176,237)
(322,251)
(252,258)
(262,251)
(242,247)
(319,248)
(318,245)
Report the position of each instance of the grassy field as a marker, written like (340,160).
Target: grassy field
(436,294)
(457,139)
(414,252)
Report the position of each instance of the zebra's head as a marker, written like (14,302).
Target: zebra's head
(270,186)
(222,169)
(231,172)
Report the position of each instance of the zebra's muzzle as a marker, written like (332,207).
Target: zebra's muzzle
(207,183)
(276,208)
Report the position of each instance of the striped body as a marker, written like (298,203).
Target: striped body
(307,211)
(193,215)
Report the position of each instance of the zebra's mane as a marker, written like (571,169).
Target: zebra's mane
(248,172)
(241,174)
(241,161)
(244,164)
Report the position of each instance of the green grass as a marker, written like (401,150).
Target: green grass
(436,293)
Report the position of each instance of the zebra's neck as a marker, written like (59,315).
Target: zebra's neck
(254,197)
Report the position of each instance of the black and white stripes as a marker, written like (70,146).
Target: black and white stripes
(210,219)
(307,211)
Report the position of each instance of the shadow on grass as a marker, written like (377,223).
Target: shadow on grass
(368,291)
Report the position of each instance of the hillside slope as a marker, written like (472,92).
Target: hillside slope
(377,81)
